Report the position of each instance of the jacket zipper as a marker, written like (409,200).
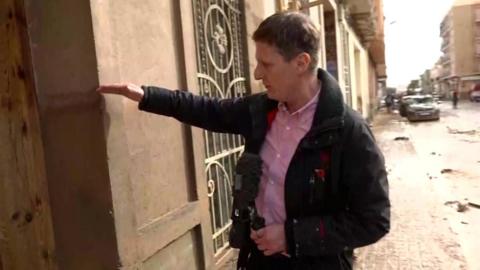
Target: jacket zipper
(312,188)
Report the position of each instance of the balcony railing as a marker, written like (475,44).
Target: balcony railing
(445,26)
(445,73)
(445,43)
(477,15)
(363,18)
(445,60)
(477,49)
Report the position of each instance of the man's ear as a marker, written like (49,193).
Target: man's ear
(302,62)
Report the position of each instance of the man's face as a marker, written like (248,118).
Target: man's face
(277,74)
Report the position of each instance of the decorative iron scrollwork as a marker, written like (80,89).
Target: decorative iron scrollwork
(221,74)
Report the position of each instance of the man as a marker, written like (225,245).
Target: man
(455,98)
(389,100)
(323,189)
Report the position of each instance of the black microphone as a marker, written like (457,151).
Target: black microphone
(245,189)
(247,176)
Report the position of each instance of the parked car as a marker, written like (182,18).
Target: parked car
(475,95)
(437,98)
(381,102)
(422,107)
(403,104)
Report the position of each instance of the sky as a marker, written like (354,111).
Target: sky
(412,37)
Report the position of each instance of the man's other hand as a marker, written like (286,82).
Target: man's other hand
(270,240)
(131,91)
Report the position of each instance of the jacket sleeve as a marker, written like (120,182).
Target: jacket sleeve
(366,217)
(225,115)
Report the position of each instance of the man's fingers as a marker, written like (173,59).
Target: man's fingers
(107,90)
(253,235)
(268,252)
(261,247)
(286,254)
(258,241)
(131,91)
(112,89)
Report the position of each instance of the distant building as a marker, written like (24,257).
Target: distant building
(435,75)
(426,83)
(460,62)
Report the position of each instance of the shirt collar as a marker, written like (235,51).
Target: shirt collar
(312,102)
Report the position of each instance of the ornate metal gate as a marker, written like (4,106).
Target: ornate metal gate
(220,35)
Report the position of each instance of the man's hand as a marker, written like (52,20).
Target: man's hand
(270,240)
(131,91)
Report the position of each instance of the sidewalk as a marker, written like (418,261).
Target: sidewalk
(420,236)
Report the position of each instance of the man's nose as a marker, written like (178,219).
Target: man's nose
(257,74)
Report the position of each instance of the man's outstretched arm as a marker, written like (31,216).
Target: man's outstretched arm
(218,115)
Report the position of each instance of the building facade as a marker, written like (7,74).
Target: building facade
(426,82)
(460,32)
(92,183)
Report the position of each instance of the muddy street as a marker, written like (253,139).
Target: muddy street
(434,174)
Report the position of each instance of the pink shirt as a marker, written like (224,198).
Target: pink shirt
(280,144)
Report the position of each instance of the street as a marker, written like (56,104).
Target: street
(433,174)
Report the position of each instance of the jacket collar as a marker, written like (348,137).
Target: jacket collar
(331,108)
(330,104)
(329,114)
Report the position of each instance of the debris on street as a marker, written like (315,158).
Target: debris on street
(441,170)
(450,202)
(456,131)
(446,171)
(475,205)
(461,207)
(469,141)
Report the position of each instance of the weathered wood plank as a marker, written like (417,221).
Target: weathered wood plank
(156,235)
(26,234)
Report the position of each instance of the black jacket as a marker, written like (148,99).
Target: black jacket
(336,188)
